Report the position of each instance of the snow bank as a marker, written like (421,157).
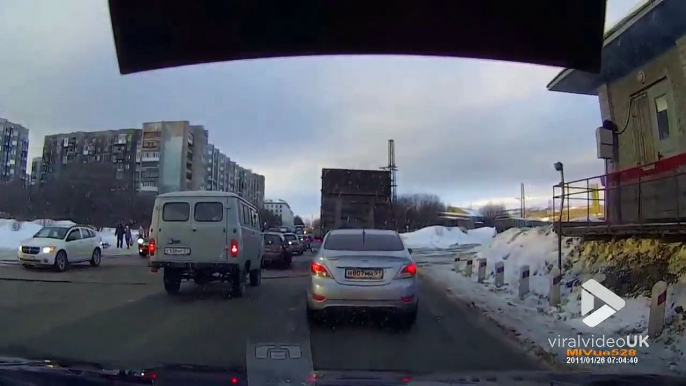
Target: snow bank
(534,319)
(444,237)
(11,234)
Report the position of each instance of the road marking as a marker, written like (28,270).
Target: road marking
(279,363)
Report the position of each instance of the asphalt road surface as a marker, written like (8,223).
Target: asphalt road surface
(118,314)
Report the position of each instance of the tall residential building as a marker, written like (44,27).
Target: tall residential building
(217,169)
(172,157)
(14,150)
(281,208)
(111,146)
(36,164)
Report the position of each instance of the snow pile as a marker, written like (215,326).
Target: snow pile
(441,237)
(532,317)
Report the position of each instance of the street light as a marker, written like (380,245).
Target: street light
(560,168)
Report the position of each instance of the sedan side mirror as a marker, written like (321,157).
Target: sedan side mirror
(409,250)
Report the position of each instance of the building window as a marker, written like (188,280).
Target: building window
(661,110)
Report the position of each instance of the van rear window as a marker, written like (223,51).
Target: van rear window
(208,212)
(176,212)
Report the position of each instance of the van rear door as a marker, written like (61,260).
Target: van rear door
(192,229)
(210,229)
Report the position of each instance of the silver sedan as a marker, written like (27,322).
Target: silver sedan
(363,269)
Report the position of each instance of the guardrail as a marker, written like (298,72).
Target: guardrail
(645,196)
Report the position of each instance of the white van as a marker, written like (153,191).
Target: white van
(206,236)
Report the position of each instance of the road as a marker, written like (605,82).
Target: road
(119,314)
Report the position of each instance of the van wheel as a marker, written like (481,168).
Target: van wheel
(238,285)
(172,287)
(172,283)
(256,276)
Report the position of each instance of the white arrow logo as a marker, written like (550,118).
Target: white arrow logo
(589,291)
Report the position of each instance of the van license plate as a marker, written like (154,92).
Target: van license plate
(364,274)
(177,251)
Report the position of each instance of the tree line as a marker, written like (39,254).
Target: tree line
(86,195)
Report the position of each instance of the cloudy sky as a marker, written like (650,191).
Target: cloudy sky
(470,131)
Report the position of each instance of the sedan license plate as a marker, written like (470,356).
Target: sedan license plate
(177,251)
(364,274)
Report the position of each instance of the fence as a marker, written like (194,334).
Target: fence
(639,195)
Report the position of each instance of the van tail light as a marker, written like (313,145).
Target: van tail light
(408,271)
(152,247)
(233,248)
(319,270)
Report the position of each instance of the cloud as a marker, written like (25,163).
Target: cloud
(464,129)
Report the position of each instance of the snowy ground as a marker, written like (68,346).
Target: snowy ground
(531,319)
(12,235)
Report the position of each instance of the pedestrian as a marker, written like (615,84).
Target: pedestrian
(128,237)
(119,232)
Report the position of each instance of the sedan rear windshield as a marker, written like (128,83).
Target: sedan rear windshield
(290,237)
(272,240)
(370,242)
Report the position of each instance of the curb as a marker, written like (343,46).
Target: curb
(512,338)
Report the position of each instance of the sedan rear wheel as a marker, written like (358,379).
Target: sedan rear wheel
(96,257)
(407,320)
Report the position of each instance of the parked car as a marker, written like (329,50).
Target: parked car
(276,250)
(143,247)
(195,235)
(61,246)
(296,247)
(363,269)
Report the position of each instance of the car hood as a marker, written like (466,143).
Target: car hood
(40,242)
(41,371)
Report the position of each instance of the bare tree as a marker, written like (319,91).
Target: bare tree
(417,211)
(491,212)
(297,220)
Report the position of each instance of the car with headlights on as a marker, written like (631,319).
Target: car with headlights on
(363,269)
(61,246)
(295,246)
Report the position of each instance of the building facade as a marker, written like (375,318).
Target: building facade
(172,157)
(109,146)
(36,164)
(642,90)
(281,208)
(14,150)
(160,157)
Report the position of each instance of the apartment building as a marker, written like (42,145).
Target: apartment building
(217,170)
(112,146)
(281,208)
(159,157)
(14,150)
(36,164)
(172,157)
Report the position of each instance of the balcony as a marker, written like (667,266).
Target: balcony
(150,156)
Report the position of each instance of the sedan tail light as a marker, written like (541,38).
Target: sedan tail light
(319,270)
(408,271)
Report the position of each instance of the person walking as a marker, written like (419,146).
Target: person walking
(119,232)
(128,236)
